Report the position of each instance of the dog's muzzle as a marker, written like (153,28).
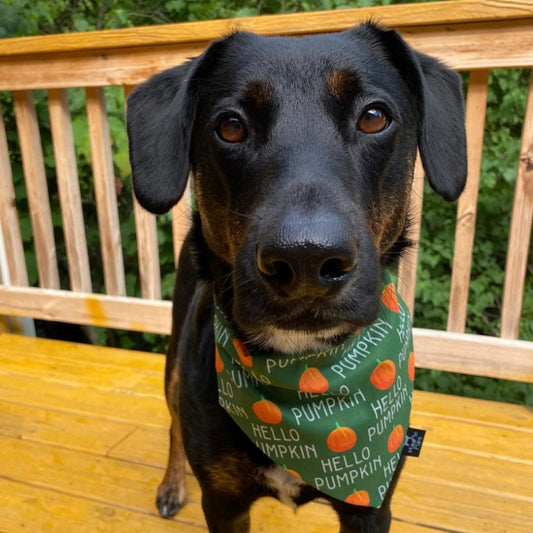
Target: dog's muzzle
(307,258)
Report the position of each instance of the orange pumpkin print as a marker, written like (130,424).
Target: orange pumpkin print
(242,352)
(341,439)
(360,497)
(267,411)
(396,438)
(219,364)
(411,366)
(358,330)
(383,375)
(293,473)
(313,381)
(389,298)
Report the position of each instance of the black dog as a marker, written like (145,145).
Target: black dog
(302,152)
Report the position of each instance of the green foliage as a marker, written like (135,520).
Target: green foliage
(506,106)
(474,386)
(505,112)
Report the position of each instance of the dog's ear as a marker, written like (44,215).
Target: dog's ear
(160,116)
(441,135)
(441,131)
(161,113)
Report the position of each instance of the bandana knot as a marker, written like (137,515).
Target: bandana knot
(336,419)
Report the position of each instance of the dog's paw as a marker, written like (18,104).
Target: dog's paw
(170,499)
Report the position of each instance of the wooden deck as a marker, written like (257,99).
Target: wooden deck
(83,443)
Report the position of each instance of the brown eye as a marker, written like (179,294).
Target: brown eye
(231,129)
(373,120)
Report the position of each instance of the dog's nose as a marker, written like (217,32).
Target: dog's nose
(306,269)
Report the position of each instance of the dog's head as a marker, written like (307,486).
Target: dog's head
(302,152)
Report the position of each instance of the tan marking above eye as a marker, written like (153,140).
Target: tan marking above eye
(231,129)
(342,83)
(373,120)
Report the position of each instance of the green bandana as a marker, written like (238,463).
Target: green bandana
(336,419)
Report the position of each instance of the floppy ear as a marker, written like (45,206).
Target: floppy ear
(441,131)
(441,135)
(160,118)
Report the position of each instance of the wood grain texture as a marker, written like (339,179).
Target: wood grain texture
(9,220)
(69,191)
(474,354)
(180,223)
(36,189)
(409,261)
(90,62)
(71,462)
(476,105)
(109,311)
(147,245)
(106,193)
(412,15)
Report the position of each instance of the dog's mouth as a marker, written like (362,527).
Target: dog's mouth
(290,341)
(300,326)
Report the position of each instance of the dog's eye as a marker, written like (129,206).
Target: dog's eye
(373,120)
(231,129)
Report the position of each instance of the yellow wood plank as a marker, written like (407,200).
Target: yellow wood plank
(103,377)
(95,481)
(93,477)
(148,445)
(105,481)
(485,412)
(29,508)
(451,486)
(74,431)
(128,485)
(492,476)
(35,509)
(476,439)
(145,445)
(68,377)
(73,398)
(453,508)
(82,354)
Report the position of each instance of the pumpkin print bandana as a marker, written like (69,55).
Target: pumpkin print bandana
(336,419)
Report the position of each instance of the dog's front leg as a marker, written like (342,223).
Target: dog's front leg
(171,494)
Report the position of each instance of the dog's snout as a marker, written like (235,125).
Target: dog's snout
(306,269)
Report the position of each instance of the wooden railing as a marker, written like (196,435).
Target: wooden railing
(473,36)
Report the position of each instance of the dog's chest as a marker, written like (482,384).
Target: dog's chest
(285,486)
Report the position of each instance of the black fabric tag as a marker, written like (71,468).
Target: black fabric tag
(413,442)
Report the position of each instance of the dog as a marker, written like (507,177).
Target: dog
(301,152)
